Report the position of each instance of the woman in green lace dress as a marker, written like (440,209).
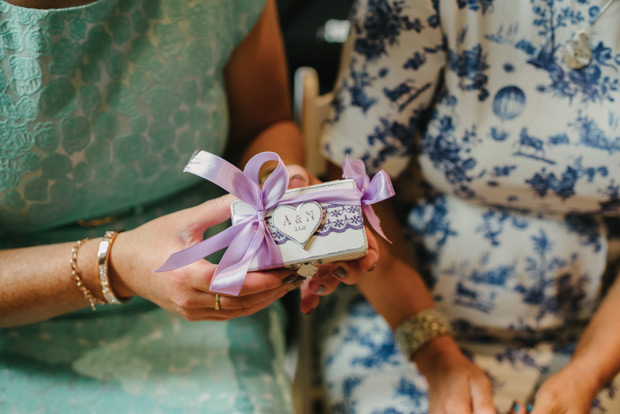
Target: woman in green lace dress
(101,105)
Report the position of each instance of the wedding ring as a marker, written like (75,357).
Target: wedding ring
(217,302)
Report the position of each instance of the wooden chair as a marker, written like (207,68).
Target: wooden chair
(311,111)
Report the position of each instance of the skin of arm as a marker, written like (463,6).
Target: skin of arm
(49,4)
(36,282)
(259,98)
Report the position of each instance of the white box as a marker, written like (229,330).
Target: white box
(339,234)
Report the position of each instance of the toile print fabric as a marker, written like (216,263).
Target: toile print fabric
(101,106)
(509,184)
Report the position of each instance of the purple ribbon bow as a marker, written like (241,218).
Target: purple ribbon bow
(249,236)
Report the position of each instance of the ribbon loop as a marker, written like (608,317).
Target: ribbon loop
(379,189)
(249,235)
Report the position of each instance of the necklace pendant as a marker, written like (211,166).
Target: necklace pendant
(577,52)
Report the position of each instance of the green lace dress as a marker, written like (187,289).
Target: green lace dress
(101,106)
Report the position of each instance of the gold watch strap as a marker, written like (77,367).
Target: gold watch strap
(421,328)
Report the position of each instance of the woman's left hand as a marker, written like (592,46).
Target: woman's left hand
(570,391)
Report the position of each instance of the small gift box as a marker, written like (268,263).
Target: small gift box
(274,228)
(312,233)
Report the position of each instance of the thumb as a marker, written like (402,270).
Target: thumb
(212,212)
(369,261)
(482,395)
(299,177)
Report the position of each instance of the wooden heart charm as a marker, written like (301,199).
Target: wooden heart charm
(298,223)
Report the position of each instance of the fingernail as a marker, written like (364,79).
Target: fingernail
(530,408)
(515,407)
(320,290)
(340,272)
(290,278)
(299,178)
(294,286)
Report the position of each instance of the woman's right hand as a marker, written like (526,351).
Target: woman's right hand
(185,291)
(455,384)
(329,276)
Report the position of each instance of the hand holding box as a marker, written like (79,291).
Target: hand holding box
(298,236)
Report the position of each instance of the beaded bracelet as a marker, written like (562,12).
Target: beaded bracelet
(75,272)
(421,328)
(102,265)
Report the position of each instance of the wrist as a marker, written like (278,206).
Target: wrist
(418,330)
(84,271)
(115,265)
(441,349)
(589,379)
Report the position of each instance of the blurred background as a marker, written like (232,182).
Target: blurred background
(314,31)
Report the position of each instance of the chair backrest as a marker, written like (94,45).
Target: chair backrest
(311,111)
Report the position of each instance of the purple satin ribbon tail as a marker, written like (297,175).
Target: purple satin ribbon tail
(374,221)
(202,249)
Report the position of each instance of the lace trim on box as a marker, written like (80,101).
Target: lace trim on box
(338,219)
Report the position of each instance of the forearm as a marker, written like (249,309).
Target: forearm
(283,138)
(394,287)
(259,97)
(396,290)
(597,356)
(36,282)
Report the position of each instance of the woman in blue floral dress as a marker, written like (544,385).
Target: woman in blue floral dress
(502,121)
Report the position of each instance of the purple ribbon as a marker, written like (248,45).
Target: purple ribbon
(249,236)
(372,191)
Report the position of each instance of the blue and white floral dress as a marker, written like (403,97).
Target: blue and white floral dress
(509,165)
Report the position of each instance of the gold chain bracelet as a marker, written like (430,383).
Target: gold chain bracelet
(75,272)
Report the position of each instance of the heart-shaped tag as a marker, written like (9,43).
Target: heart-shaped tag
(298,223)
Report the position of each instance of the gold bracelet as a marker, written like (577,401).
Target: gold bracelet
(421,328)
(102,265)
(75,272)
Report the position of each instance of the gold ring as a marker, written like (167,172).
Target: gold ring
(217,302)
